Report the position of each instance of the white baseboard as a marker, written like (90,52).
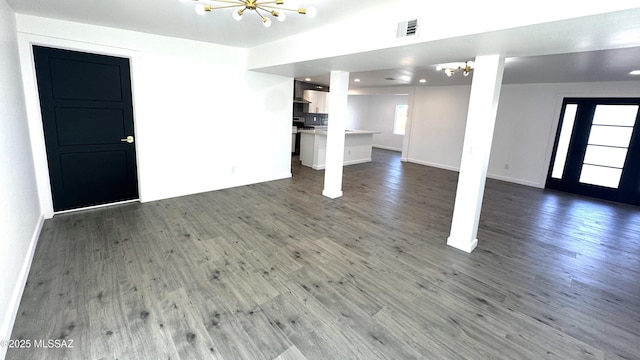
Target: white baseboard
(435,165)
(346,163)
(18,290)
(223,184)
(386,148)
(515,181)
(491,176)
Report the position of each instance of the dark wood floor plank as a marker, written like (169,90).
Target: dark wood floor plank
(277,271)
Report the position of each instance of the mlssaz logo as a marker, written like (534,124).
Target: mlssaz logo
(54,344)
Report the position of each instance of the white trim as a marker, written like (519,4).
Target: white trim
(516,181)
(491,176)
(235,182)
(346,163)
(435,165)
(386,148)
(18,290)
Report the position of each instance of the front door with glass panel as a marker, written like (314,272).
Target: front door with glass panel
(597,149)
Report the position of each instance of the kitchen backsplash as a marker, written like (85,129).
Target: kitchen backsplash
(313,119)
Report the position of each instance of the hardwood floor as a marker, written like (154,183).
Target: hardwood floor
(276,271)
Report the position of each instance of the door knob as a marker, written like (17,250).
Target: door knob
(128,139)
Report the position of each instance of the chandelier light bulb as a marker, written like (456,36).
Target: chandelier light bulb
(266,22)
(281,16)
(200,9)
(312,12)
(237,15)
(450,68)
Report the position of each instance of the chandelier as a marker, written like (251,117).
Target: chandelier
(264,9)
(450,68)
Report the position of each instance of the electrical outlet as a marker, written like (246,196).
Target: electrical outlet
(506,166)
(233,169)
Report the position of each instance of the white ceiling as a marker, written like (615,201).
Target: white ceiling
(177,19)
(590,66)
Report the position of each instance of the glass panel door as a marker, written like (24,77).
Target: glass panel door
(608,144)
(597,149)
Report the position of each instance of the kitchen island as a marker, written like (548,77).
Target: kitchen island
(313,147)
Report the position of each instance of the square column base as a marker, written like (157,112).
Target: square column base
(332,194)
(462,244)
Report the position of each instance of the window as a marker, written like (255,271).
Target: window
(608,144)
(563,142)
(401,119)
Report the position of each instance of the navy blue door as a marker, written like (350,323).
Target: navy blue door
(597,149)
(87,116)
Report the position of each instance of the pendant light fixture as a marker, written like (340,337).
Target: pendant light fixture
(450,68)
(265,9)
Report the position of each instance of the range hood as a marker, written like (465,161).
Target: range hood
(298,100)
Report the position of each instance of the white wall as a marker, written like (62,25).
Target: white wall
(377,113)
(20,216)
(437,127)
(525,126)
(527,122)
(202,121)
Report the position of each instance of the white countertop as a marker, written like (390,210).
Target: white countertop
(347,132)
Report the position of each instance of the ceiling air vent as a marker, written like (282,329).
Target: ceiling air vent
(407,29)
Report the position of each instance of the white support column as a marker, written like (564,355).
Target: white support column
(481,118)
(338,94)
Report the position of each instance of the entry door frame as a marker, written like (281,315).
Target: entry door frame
(579,137)
(34,116)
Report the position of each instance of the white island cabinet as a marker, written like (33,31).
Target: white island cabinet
(313,147)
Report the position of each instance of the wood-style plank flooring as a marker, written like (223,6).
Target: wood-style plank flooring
(276,271)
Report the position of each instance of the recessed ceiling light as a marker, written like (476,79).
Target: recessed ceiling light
(423,80)
(635,72)
(356,80)
(307,79)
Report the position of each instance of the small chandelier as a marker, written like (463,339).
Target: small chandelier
(272,8)
(450,68)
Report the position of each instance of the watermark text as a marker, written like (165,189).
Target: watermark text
(37,344)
